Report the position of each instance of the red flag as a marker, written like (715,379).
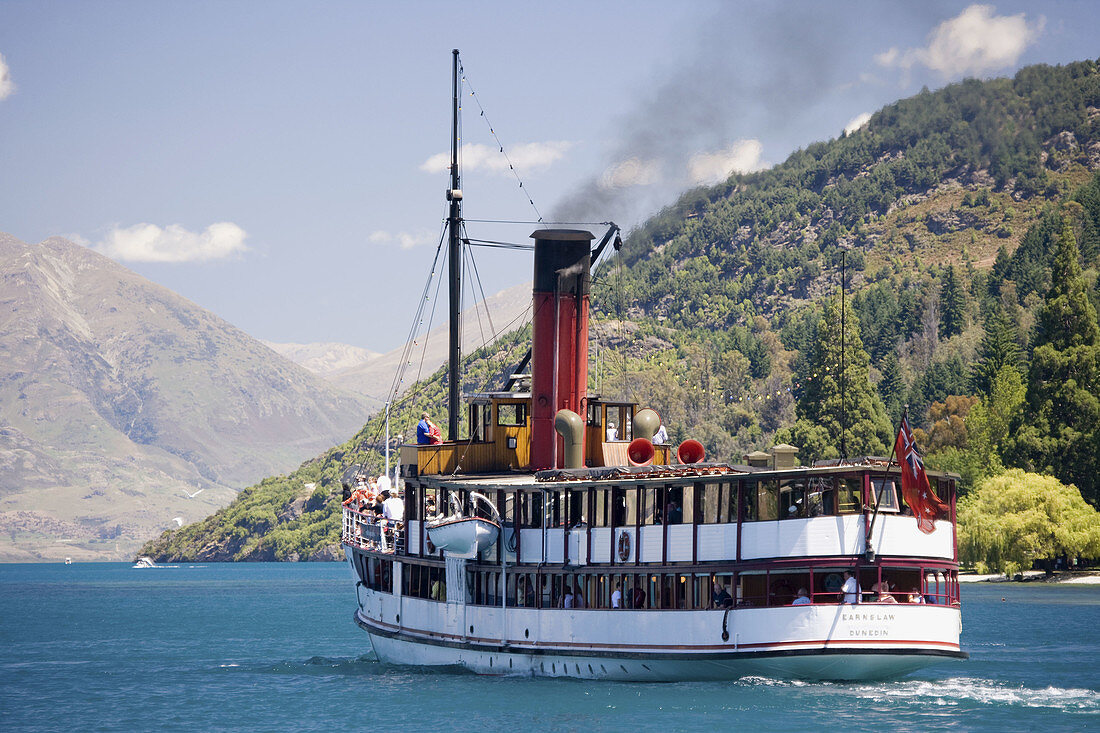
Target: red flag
(926,506)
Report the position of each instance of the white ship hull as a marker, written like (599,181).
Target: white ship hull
(818,642)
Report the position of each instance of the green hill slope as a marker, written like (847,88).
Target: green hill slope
(944,208)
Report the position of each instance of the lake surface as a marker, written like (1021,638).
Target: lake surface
(269,647)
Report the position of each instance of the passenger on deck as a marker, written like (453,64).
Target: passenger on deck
(639,598)
(612,433)
(567,601)
(883,592)
(915,596)
(427,432)
(720,597)
(617,597)
(393,507)
(578,598)
(802,598)
(673,513)
(850,589)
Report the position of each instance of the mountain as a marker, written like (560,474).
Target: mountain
(324,358)
(939,215)
(124,406)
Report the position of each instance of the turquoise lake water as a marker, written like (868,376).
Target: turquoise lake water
(268,647)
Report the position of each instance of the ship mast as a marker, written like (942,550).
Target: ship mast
(454,254)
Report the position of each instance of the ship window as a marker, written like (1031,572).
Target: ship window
(478,422)
(512,414)
(594,414)
(884,491)
(577,514)
(767,500)
(619,507)
(820,497)
(747,491)
(709,503)
(677,504)
(792,499)
(850,495)
(531,510)
(654,501)
(602,498)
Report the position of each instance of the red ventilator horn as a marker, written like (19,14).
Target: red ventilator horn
(640,452)
(690,451)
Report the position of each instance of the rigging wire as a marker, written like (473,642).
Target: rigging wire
(500,145)
(498,245)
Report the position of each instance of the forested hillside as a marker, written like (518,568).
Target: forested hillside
(965,224)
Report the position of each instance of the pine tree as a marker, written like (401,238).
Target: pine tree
(839,410)
(999,347)
(1061,426)
(952,305)
(892,387)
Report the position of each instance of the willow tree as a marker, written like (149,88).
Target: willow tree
(1060,432)
(840,413)
(1015,518)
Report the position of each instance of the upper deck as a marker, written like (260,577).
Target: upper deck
(698,514)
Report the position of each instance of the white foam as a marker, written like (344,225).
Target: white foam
(955,690)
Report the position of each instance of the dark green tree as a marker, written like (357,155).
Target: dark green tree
(1061,426)
(892,386)
(952,305)
(839,411)
(999,347)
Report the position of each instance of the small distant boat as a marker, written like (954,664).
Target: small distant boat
(68,561)
(145,562)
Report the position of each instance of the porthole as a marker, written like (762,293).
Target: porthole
(527,633)
(398,618)
(471,629)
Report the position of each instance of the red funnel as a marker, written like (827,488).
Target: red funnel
(640,452)
(690,451)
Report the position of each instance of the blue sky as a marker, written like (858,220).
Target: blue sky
(272,161)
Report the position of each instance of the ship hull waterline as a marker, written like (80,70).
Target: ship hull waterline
(835,659)
(839,665)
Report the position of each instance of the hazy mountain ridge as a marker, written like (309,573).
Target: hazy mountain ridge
(116,395)
(323,358)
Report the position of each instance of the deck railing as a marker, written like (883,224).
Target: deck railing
(371,532)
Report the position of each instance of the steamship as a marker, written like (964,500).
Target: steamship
(547,544)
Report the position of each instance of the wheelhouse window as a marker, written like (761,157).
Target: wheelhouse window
(511,414)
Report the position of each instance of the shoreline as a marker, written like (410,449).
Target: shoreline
(1035,576)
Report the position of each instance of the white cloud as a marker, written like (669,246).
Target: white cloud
(526,157)
(173,243)
(857,122)
(710,168)
(631,172)
(7,86)
(974,42)
(404,240)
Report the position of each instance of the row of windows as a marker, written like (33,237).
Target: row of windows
(699,503)
(687,591)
